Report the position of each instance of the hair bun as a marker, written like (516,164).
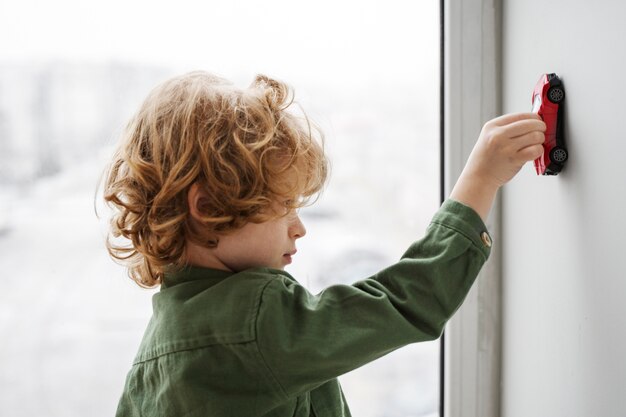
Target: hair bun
(276,93)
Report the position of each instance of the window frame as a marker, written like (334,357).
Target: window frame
(470,75)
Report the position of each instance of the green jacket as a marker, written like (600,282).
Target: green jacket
(257,343)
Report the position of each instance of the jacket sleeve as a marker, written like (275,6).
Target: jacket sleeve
(305,339)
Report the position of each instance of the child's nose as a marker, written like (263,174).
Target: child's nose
(297,229)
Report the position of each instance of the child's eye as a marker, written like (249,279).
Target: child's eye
(291,205)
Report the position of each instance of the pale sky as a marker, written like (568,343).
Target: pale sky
(225,36)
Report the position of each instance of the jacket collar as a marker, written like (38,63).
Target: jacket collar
(193,273)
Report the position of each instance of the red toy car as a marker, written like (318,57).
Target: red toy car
(548,103)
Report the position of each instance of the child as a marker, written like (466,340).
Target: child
(205,185)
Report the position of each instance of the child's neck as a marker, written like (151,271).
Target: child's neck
(197,255)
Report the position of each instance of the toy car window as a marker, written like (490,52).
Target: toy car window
(536,103)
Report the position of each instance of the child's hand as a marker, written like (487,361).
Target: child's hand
(504,146)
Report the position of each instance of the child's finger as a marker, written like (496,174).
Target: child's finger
(523,127)
(513,117)
(530,153)
(531,138)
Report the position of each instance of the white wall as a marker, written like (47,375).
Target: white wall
(564,256)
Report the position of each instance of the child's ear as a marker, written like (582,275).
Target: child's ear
(195,198)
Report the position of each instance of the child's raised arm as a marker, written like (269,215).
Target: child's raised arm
(505,144)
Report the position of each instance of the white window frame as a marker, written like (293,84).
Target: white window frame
(471,96)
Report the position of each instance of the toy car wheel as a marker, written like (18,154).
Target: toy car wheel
(558,155)
(556,94)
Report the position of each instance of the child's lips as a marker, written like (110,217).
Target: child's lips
(288,256)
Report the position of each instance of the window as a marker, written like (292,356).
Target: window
(366,72)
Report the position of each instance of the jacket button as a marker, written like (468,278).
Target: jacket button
(486,239)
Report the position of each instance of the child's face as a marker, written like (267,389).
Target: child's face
(270,244)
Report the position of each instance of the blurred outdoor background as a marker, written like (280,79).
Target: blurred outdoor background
(72,73)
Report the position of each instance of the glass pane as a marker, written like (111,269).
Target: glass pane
(366,72)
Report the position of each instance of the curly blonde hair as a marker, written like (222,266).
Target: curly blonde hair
(241,146)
